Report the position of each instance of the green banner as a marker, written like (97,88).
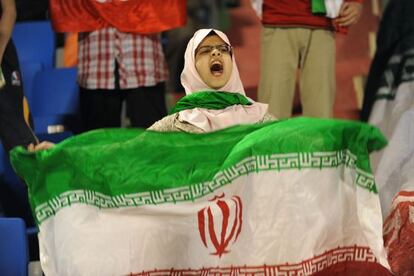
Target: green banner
(125,161)
(210,100)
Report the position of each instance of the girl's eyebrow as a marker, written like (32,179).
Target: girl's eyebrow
(214,44)
(210,45)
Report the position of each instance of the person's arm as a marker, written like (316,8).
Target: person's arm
(349,13)
(8,17)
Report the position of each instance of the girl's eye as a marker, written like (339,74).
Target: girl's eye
(223,48)
(207,49)
(204,50)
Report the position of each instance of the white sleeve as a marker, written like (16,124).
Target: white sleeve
(333,7)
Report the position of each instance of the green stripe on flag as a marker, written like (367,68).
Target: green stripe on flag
(318,7)
(119,162)
(321,160)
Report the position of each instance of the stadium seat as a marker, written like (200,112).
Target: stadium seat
(13,193)
(35,42)
(55,101)
(28,71)
(14,254)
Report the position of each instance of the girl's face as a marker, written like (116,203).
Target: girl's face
(213,61)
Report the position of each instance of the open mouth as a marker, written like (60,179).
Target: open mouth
(216,68)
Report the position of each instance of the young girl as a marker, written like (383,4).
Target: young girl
(215,96)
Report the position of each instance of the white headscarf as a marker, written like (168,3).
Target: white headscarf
(208,119)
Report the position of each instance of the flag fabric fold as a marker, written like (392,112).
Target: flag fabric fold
(144,16)
(292,197)
(389,105)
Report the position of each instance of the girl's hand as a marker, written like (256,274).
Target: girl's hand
(42,146)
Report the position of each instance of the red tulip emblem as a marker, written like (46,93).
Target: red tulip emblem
(220,223)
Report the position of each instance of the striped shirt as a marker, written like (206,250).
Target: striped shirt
(140,59)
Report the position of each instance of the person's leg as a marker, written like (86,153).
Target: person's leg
(279,63)
(317,80)
(14,130)
(146,105)
(100,108)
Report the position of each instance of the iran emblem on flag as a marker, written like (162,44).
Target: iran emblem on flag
(220,223)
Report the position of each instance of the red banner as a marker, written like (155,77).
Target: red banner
(133,16)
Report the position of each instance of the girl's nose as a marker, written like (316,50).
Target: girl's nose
(215,52)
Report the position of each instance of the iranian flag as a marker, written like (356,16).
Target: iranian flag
(293,197)
(134,16)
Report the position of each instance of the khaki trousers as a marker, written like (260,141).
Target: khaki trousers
(284,50)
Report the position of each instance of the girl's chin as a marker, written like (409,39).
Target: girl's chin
(217,85)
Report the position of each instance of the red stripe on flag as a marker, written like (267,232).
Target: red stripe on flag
(406,193)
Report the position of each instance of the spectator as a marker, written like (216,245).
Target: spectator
(389,105)
(115,65)
(14,129)
(293,37)
(215,94)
